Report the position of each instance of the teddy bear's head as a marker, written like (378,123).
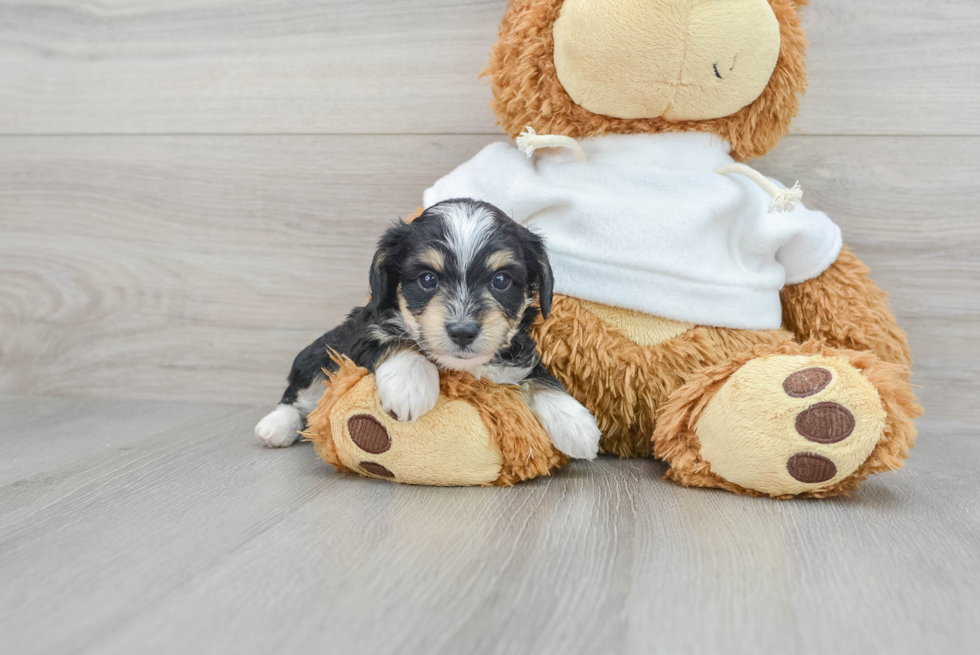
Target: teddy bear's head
(583,68)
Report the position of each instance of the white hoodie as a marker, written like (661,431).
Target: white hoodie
(646,224)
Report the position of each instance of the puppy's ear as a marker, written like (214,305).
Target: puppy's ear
(539,270)
(383,278)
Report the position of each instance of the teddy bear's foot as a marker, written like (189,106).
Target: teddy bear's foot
(791,424)
(789,420)
(478,433)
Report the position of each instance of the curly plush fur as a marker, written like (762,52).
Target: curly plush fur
(623,384)
(847,309)
(527,91)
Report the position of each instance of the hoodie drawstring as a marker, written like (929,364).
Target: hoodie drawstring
(783,200)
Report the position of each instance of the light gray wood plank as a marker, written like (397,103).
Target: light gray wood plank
(38,434)
(182,483)
(297,66)
(229,66)
(196,267)
(68,444)
(892,67)
(205,542)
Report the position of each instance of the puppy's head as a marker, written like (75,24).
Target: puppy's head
(462,277)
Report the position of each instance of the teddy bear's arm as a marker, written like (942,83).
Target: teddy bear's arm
(847,309)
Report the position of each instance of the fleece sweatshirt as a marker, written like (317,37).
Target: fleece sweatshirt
(647,224)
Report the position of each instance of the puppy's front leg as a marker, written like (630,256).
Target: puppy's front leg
(408,385)
(569,425)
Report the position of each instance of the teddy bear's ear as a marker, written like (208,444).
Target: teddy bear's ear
(528,92)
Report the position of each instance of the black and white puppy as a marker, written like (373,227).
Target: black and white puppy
(454,289)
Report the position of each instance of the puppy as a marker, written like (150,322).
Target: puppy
(455,290)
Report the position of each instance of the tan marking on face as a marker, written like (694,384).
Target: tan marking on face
(429,326)
(500,259)
(407,316)
(499,330)
(432,321)
(434,259)
(515,324)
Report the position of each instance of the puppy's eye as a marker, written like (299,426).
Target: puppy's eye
(428,281)
(500,282)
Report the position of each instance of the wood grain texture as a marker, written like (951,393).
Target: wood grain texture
(378,66)
(233,66)
(892,67)
(192,258)
(37,436)
(195,539)
(190,267)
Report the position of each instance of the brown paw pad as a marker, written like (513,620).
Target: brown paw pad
(369,435)
(376,469)
(825,423)
(806,383)
(811,468)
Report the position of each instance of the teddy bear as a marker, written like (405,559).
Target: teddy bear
(702,313)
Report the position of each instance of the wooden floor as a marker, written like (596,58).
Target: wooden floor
(151,527)
(189,194)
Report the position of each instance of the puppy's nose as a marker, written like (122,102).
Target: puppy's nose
(463,334)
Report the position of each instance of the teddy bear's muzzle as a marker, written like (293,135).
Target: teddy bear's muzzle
(673,59)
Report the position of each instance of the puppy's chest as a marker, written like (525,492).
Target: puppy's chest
(502,374)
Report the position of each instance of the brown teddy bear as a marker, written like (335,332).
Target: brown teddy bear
(702,314)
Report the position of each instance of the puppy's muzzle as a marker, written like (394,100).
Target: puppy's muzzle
(463,334)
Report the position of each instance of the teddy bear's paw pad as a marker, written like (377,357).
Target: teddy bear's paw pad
(449,445)
(372,437)
(825,423)
(368,434)
(808,382)
(811,468)
(374,468)
(786,425)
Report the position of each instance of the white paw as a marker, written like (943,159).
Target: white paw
(408,385)
(280,427)
(569,425)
